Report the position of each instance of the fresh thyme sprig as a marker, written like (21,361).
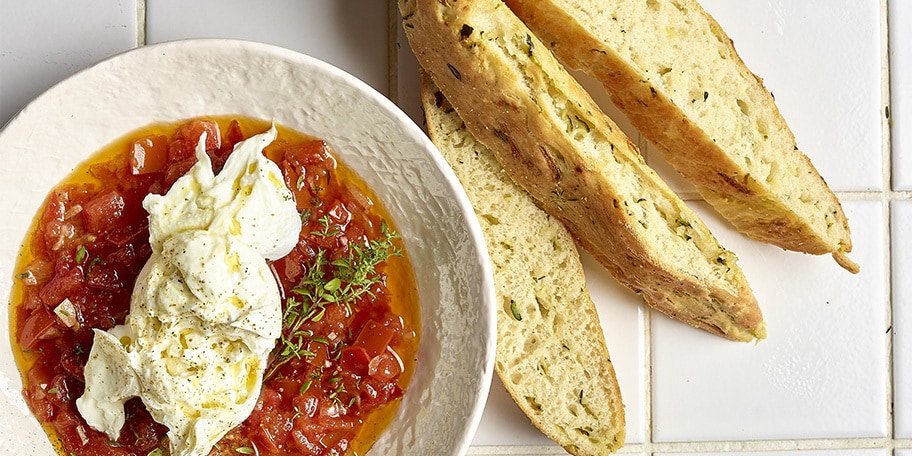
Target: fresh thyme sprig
(343,281)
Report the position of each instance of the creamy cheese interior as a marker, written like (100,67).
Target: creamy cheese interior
(205,311)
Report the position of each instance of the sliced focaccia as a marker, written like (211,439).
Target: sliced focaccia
(554,141)
(673,71)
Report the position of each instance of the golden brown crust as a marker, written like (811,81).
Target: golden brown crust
(551,353)
(728,162)
(555,142)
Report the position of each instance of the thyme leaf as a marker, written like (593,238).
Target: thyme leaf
(81,254)
(343,281)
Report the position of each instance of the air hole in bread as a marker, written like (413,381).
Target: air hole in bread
(807,197)
(680,7)
(543,370)
(542,309)
(763,128)
(745,109)
(531,343)
(512,309)
(533,403)
(773,172)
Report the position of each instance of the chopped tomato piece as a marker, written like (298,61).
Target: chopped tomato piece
(104,277)
(315,152)
(59,219)
(290,266)
(102,213)
(39,326)
(273,430)
(234,134)
(61,286)
(183,144)
(374,338)
(177,169)
(39,378)
(74,357)
(149,154)
(320,353)
(55,208)
(279,390)
(144,434)
(355,359)
(385,367)
(307,167)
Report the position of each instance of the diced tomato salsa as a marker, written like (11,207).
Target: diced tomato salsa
(335,375)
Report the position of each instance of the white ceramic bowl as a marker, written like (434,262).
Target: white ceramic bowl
(442,406)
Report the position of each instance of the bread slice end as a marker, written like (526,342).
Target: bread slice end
(842,258)
(551,353)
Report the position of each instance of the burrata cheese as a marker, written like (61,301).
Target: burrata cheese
(205,311)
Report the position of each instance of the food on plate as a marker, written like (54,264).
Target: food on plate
(205,311)
(555,142)
(674,72)
(184,293)
(551,353)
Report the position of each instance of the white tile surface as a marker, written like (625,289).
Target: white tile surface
(902,317)
(826,340)
(351,35)
(42,43)
(901,92)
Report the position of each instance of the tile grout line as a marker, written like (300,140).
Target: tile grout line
(875,195)
(714,446)
(392,46)
(887,202)
(140,23)
(646,447)
(647,379)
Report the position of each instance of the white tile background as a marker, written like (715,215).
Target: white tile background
(834,376)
